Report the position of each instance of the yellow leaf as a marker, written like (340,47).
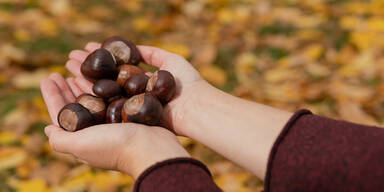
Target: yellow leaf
(58,69)
(277,75)
(100,12)
(86,26)
(357,7)
(179,49)
(48,27)
(363,63)
(12,119)
(350,22)
(25,169)
(317,69)
(3,77)
(225,16)
(363,40)
(11,52)
(214,75)
(131,5)
(5,17)
(284,92)
(309,34)
(35,185)
(29,79)
(42,109)
(7,137)
(245,65)
(11,157)
(184,141)
(103,180)
(233,182)
(125,180)
(376,24)
(352,111)
(22,35)
(314,51)
(347,92)
(141,24)
(78,181)
(57,7)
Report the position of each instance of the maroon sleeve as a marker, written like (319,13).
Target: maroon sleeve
(314,153)
(179,174)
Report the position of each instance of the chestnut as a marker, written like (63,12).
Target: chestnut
(74,117)
(124,51)
(100,64)
(114,111)
(136,84)
(95,105)
(143,108)
(107,89)
(126,71)
(162,85)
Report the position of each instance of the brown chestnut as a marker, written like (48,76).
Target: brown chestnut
(143,108)
(126,71)
(100,64)
(74,117)
(95,105)
(107,89)
(114,111)
(136,84)
(124,51)
(162,85)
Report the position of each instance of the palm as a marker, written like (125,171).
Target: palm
(57,91)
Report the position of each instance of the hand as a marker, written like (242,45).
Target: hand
(130,148)
(188,80)
(206,114)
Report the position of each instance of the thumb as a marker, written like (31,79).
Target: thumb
(60,140)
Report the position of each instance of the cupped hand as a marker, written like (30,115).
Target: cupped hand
(127,147)
(188,80)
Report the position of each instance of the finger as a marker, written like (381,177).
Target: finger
(74,67)
(84,85)
(167,119)
(61,140)
(75,89)
(149,74)
(157,57)
(78,55)
(52,97)
(63,86)
(92,46)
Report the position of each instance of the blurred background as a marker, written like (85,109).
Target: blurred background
(324,55)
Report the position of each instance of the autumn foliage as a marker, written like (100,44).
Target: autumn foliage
(326,56)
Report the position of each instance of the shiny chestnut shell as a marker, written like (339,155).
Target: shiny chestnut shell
(127,71)
(100,64)
(114,111)
(162,85)
(143,108)
(124,51)
(95,105)
(73,117)
(136,84)
(107,89)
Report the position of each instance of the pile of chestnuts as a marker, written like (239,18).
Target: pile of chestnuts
(123,91)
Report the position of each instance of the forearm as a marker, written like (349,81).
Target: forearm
(178,174)
(322,154)
(240,130)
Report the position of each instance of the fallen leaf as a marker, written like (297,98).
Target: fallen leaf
(214,75)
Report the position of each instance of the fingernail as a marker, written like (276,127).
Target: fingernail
(47,130)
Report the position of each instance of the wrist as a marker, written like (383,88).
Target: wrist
(162,145)
(200,97)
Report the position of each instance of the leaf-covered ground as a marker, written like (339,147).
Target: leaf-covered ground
(324,55)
